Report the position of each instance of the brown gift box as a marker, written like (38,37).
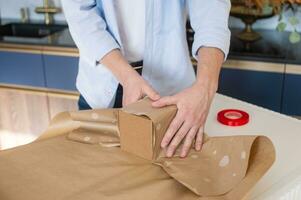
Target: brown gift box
(142,128)
(78,157)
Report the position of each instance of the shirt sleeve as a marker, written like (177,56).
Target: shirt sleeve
(209,20)
(88,30)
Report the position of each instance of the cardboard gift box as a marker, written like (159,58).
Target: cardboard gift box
(142,128)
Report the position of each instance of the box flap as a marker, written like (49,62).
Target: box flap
(143,107)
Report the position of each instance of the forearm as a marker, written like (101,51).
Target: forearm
(134,86)
(119,66)
(209,64)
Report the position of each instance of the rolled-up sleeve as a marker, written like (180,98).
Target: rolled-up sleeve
(209,20)
(88,30)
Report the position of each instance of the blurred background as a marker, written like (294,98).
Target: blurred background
(38,62)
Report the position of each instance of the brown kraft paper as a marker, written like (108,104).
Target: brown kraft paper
(78,157)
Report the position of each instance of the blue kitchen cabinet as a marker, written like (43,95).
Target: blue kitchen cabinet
(21,69)
(61,72)
(256,87)
(292,94)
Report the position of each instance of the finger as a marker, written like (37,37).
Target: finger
(151,93)
(172,129)
(188,141)
(164,101)
(199,139)
(182,132)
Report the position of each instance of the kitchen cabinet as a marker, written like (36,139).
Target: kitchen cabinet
(263,88)
(60,72)
(38,70)
(21,68)
(292,90)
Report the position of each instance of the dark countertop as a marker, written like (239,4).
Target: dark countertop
(59,39)
(273,47)
(59,43)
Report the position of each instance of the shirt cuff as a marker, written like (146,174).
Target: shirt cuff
(220,41)
(97,48)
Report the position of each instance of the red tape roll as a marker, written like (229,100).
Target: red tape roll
(233,117)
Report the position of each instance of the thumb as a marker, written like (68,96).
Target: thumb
(164,101)
(151,93)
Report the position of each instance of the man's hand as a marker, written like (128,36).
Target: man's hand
(188,125)
(134,86)
(193,104)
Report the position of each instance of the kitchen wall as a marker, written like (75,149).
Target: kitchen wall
(11,9)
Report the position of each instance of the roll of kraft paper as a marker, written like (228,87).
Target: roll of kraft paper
(233,117)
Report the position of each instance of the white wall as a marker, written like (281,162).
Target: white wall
(11,9)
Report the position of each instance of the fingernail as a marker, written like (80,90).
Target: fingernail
(183,154)
(163,143)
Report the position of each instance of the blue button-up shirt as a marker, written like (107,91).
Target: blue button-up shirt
(166,61)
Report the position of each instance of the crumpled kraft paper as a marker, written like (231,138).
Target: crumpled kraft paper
(78,157)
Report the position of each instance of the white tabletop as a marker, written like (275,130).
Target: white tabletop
(281,181)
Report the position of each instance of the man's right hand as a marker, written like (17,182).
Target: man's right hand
(134,86)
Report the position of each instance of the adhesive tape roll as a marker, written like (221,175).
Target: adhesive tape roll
(233,117)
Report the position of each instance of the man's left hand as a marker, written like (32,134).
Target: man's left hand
(188,125)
